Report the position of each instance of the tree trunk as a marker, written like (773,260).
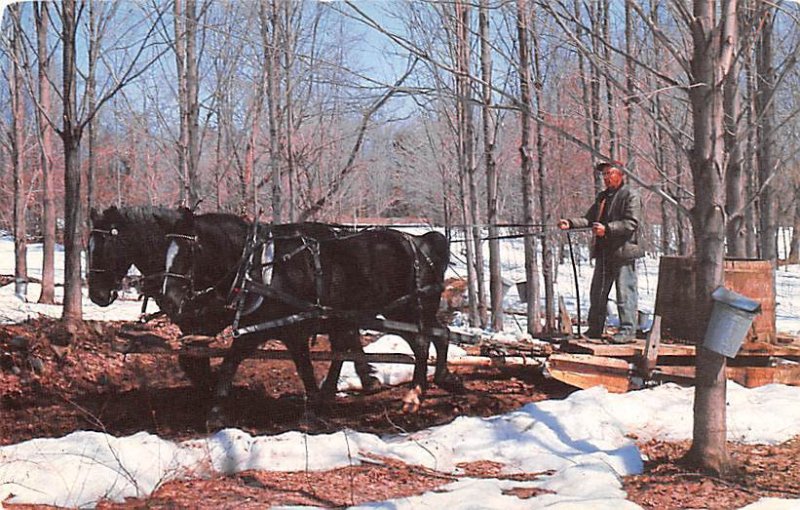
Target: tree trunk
(495,275)
(526,173)
(735,188)
(765,113)
(91,99)
(180,71)
(749,162)
(794,252)
(273,84)
(192,105)
(18,149)
(71,137)
(711,61)
(466,158)
(47,296)
(611,108)
(548,267)
(288,64)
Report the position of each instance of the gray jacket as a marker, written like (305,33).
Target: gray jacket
(621,216)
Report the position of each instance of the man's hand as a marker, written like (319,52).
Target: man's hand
(563,224)
(599,229)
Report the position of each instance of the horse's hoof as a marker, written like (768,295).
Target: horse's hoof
(372,385)
(411,400)
(310,421)
(451,383)
(215,420)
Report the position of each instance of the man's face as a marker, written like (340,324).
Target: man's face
(612,178)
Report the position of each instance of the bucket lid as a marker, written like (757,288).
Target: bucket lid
(735,300)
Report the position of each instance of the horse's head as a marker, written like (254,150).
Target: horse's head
(180,274)
(109,257)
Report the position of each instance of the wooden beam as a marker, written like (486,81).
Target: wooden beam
(650,355)
(564,318)
(585,371)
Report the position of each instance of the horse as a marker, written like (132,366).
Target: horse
(122,237)
(328,285)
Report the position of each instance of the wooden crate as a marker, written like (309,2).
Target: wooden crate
(675,297)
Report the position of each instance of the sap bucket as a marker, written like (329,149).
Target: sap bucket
(730,321)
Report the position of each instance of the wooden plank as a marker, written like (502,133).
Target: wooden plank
(586,371)
(201,351)
(749,377)
(652,345)
(749,349)
(564,318)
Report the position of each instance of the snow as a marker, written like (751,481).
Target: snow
(582,444)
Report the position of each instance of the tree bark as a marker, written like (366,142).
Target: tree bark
(91,99)
(735,188)
(548,266)
(47,295)
(495,275)
(794,251)
(71,137)
(526,171)
(765,113)
(18,149)
(179,19)
(466,158)
(192,105)
(713,47)
(273,109)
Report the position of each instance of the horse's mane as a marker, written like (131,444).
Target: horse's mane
(148,213)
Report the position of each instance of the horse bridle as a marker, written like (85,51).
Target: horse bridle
(113,232)
(193,241)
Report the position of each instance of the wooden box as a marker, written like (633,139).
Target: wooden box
(675,297)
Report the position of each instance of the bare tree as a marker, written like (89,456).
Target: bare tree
(188,147)
(488,118)
(71,131)
(548,265)
(714,36)
(42,17)
(765,112)
(18,161)
(526,169)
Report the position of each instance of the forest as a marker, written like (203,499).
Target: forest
(482,117)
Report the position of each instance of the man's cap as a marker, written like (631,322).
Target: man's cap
(609,164)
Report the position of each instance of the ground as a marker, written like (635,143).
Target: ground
(55,380)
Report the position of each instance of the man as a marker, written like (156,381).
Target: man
(614,219)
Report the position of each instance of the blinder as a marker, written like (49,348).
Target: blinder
(113,232)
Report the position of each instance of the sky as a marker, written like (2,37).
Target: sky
(584,439)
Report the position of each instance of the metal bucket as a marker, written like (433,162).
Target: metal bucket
(731,318)
(522,290)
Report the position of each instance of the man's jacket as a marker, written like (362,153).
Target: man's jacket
(620,211)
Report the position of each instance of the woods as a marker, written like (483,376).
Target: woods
(470,115)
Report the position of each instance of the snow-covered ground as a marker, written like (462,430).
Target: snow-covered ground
(584,440)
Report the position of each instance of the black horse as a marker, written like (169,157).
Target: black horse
(335,282)
(122,237)
(137,236)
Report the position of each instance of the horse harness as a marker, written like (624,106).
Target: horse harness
(245,284)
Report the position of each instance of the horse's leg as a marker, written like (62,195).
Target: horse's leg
(346,340)
(443,377)
(297,344)
(419,384)
(237,352)
(198,371)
